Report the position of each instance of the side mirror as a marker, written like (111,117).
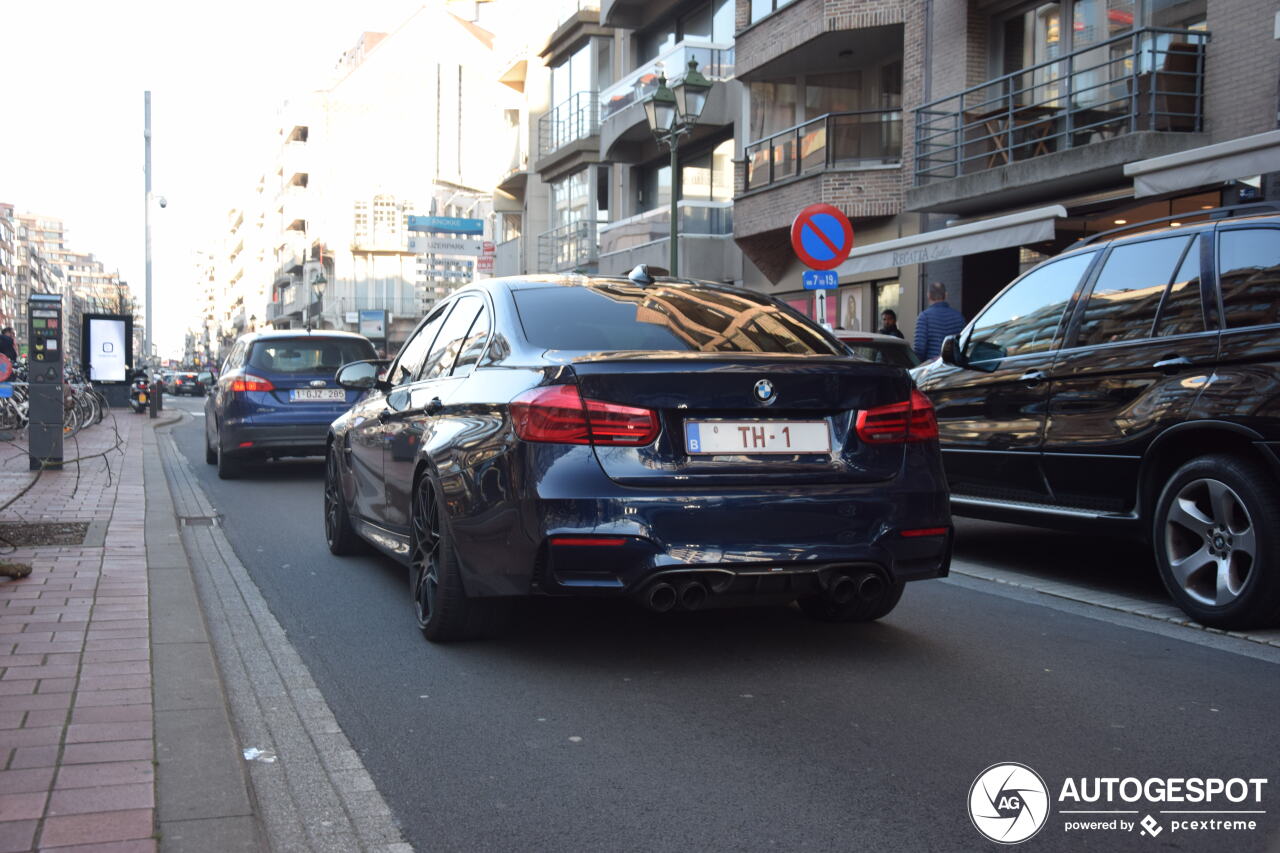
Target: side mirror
(361,375)
(951,353)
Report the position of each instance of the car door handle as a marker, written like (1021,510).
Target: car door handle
(1032,377)
(433,407)
(1172,363)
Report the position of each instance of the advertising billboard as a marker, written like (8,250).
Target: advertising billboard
(373,325)
(105,353)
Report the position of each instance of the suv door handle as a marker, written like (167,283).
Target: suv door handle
(433,407)
(1033,377)
(1172,363)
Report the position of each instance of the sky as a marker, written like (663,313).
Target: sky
(71,131)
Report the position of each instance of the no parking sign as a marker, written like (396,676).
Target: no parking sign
(6,368)
(821,236)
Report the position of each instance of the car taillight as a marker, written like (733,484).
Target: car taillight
(249,382)
(897,423)
(557,413)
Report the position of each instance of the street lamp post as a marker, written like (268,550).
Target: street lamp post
(672,113)
(318,282)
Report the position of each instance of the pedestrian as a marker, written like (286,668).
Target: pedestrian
(7,344)
(889,323)
(936,322)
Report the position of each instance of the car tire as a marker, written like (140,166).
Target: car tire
(822,609)
(339,534)
(444,610)
(1216,532)
(228,468)
(210,455)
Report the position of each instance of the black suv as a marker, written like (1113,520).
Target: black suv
(1133,384)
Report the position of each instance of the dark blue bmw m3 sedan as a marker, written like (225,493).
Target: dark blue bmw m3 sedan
(683,443)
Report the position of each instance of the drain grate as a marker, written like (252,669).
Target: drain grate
(198,521)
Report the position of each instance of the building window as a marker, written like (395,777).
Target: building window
(760,8)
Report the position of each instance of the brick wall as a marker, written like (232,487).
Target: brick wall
(784,31)
(1242,68)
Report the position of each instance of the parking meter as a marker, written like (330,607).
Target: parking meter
(44,379)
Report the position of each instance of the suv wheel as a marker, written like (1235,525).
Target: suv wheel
(444,610)
(210,455)
(1217,538)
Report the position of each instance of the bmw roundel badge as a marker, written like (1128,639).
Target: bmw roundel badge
(764,391)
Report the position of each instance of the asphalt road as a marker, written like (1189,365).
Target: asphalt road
(600,727)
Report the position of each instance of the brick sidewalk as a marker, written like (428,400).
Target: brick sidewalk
(76,731)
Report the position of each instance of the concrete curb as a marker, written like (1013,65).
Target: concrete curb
(203,800)
(312,790)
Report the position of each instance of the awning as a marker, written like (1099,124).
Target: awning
(1000,232)
(1212,164)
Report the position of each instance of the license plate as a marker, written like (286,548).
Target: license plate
(748,437)
(317,395)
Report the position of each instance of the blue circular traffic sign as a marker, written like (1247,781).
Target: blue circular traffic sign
(821,236)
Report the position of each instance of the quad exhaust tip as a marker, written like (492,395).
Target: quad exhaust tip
(661,597)
(692,595)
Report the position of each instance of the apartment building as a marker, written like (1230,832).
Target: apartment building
(828,86)
(608,184)
(8,266)
(35,258)
(1042,123)
(411,125)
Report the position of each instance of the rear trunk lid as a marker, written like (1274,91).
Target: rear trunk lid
(744,419)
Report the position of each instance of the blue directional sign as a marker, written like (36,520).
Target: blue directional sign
(821,280)
(446,225)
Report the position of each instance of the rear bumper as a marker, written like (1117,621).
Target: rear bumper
(277,439)
(795,533)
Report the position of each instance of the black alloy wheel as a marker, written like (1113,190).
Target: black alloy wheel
(444,611)
(339,534)
(1216,533)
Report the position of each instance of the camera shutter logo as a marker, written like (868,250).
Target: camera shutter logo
(1008,803)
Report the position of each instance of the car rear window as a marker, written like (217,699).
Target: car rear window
(307,355)
(618,316)
(899,355)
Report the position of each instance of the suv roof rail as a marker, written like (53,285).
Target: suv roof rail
(1224,212)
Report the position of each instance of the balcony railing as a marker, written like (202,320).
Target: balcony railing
(715,61)
(576,118)
(697,218)
(834,140)
(1148,79)
(568,247)
(566,9)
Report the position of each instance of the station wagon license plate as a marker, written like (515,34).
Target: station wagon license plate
(747,437)
(317,395)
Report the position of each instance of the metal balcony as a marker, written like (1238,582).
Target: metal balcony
(832,141)
(1151,79)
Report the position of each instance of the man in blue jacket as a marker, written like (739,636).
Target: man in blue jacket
(936,322)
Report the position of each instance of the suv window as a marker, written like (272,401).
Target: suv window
(310,354)
(409,362)
(1249,272)
(440,361)
(1122,306)
(622,316)
(1025,318)
(1182,312)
